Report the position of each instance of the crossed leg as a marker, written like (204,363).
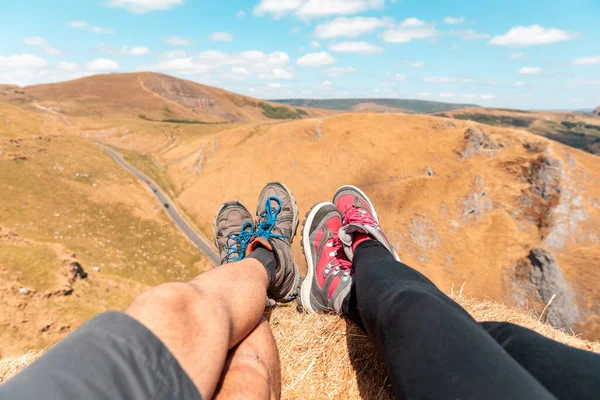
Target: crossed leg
(213,327)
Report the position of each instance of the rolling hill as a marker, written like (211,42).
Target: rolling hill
(578,130)
(150,96)
(377,105)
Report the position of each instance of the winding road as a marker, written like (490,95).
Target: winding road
(168,206)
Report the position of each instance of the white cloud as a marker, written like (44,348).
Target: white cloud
(316,59)
(174,54)
(24,61)
(326,83)
(340,71)
(221,37)
(531,35)
(530,71)
(35,41)
(447,94)
(517,55)
(90,28)
(67,66)
(143,6)
(233,66)
(315,43)
(241,14)
(177,41)
(103,64)
(315,8)
(400,77)
(519,83)
(41,42)
(409,29)
(487,96)
(294,30)
(454,20)
(52,51)
(350,27)
(469,34)
(587,60)
(277,74)
(416,64)
(423,94)
(135,51)
(445,79)
(275,85)
(356,47)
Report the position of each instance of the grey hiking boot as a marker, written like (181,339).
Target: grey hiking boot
(329,272)
(233,229)
(276,225)
(359,217)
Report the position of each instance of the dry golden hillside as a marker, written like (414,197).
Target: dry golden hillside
(578,130)
(147,95)
(513,215)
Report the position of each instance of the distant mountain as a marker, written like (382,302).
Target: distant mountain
(401,105)
(155,97)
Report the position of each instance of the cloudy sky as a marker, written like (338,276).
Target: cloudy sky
(525,54)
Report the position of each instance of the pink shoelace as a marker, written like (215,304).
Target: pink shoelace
(356,215)
(337,251)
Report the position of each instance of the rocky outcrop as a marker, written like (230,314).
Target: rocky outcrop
(539,277)
(597,111)
(477,202)
(477,142)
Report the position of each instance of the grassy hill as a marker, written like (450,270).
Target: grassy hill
(578,130)
(409,106)
(145,95)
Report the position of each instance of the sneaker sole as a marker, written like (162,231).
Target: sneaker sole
(365,197)
(305,288)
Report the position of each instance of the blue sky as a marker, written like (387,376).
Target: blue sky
(525,54)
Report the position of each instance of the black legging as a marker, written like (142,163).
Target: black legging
(434,349)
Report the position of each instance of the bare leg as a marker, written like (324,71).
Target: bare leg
(252,369)
(200,321)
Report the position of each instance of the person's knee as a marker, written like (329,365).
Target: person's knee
(168,300)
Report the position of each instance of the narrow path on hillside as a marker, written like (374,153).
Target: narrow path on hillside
(171,210)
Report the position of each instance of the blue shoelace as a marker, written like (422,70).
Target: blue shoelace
(238,242)
(268,220)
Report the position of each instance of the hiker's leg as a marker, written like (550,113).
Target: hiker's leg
(171,343)
(567,372)
(432,347)
(252,369)
(202,320)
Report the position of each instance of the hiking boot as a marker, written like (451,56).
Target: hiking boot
(232,230)
(360,216)
(276,225)
(329,272)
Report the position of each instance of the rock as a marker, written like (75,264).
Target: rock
(544,177)
(535,147)
(450,124)
(597,111)
(477,142)
(548,280)
(77,271)
(477,201)
(97,269)
(23,291)
(429,171)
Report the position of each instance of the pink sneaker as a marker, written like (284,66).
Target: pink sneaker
(359,217)
(329,274)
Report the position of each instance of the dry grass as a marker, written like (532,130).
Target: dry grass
(328,357)
(324,356)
